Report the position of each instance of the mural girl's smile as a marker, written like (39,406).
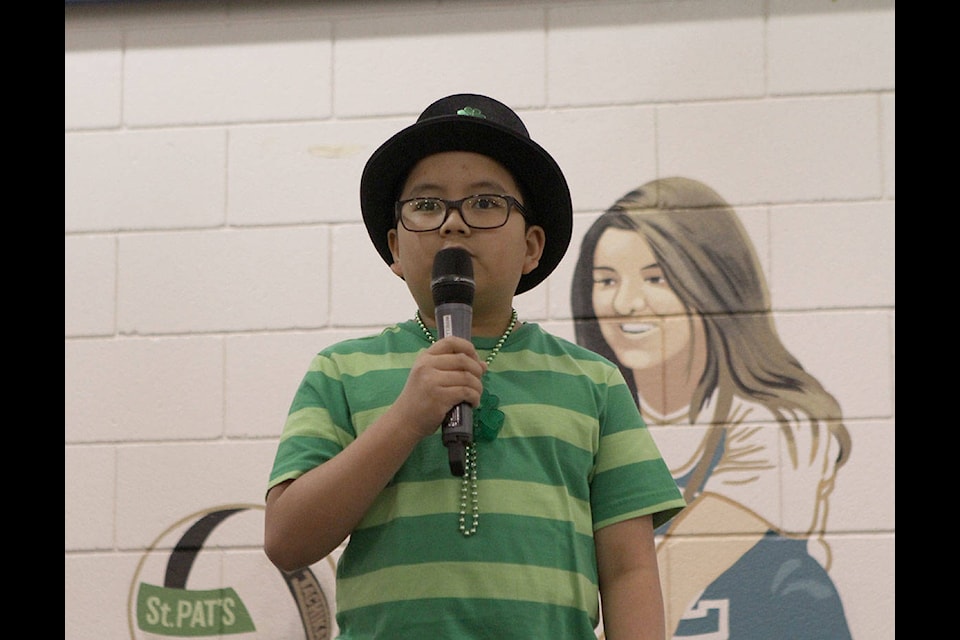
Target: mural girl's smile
(637,327)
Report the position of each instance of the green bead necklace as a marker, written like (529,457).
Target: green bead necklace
(487,421)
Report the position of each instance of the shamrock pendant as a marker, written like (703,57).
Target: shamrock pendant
(487,419)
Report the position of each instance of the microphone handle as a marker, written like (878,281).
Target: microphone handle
(456,319)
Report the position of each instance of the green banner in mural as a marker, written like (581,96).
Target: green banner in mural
(191,613)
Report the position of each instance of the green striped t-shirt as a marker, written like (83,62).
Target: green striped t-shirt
(573,456)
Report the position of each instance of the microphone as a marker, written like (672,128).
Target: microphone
(452,285)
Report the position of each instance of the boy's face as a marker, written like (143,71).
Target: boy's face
(500,256)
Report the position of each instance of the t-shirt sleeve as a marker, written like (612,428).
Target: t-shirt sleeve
(631,477)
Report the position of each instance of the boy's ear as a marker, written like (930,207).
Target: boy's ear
(395,251)
(536,241)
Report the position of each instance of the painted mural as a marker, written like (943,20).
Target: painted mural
(668,286)
(204,577)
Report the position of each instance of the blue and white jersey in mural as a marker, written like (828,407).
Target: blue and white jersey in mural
(779,588)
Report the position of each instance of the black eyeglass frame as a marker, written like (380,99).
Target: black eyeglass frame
(449,205)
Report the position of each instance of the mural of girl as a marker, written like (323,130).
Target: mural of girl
(668,286)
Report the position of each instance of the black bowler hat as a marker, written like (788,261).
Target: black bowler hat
(471,122)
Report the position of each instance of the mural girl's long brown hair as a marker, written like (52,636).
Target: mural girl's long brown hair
(709,262)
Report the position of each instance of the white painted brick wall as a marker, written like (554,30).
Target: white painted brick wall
(213,239)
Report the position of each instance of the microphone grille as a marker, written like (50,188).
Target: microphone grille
(452,277)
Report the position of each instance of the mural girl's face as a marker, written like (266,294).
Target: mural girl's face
(640,316)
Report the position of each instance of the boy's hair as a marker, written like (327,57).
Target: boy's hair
(471,122)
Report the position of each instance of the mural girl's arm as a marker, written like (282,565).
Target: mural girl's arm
(689,565)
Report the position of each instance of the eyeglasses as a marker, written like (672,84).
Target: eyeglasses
(484,211)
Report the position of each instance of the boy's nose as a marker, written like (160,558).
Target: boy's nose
(454,222)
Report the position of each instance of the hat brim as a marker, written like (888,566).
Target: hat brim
(547,196)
